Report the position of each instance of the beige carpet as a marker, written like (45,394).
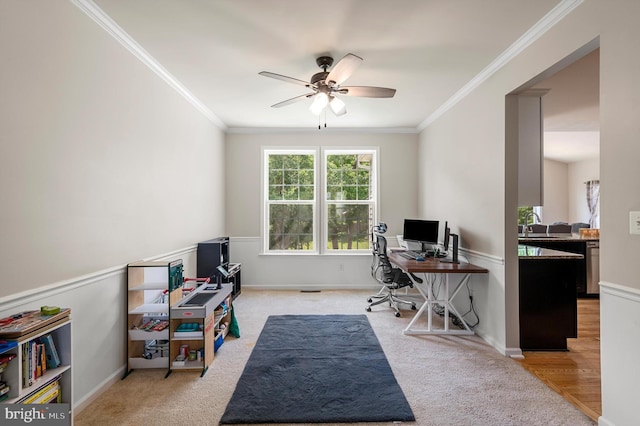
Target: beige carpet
(452,380)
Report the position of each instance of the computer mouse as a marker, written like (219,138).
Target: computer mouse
(420,259)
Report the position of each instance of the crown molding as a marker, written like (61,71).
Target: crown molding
(547,22)
(113,29)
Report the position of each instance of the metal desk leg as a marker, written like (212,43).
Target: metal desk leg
(425,305)
(428,306)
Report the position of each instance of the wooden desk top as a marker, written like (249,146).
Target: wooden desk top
(434,266)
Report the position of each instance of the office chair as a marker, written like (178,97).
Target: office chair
(391,278)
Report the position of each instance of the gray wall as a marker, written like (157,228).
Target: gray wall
(102,164)
(475,129)
(398,186)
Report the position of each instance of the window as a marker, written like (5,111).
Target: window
(301,204)
(350,199)
(524,211)
(290,202)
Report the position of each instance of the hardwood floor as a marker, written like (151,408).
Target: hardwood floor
(574,374)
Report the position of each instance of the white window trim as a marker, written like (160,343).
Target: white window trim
(320,236)
(266,151)
(326,151)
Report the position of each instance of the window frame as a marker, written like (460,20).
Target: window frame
(320,204)
(266,152)
(374,202)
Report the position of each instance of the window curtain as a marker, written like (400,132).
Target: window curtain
(593,202)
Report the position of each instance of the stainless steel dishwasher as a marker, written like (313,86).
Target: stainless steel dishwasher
(593,267)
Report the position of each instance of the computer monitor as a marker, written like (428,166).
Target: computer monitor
(424,232)
(447,236)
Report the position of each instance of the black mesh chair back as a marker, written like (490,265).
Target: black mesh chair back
(392,277)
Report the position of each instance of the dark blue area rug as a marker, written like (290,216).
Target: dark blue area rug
(317,369)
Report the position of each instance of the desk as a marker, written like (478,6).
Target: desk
(436,266)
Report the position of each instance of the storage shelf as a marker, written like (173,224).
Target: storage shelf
(151,308)
(158,362)
(149,335)
(150,286)
(193,335)
(22,345)
(45,378)
(189,365)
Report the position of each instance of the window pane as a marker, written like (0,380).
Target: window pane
(287,173)
(275,177)
(333,177)
(290,227)
(306,176)
(291,193)
(348,226)
(306,192)
(363,193)
(348,176)
(363,177)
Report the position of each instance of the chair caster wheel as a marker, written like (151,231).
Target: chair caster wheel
(397,314)
(369,300)
(413,307)
(368,309)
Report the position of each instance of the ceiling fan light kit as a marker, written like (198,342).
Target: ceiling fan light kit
(320,101)
(326,85)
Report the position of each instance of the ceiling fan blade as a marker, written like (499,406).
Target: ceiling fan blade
(367,91)
(292,100)
(285,78)
(343,69)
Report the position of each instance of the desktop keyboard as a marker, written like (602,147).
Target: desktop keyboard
(413,255)
(410,254)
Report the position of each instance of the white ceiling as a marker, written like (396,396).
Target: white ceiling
(429,50)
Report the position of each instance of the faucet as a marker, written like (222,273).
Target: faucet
(526,222)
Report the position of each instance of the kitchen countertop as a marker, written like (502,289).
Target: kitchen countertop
(554,237)
(529,252)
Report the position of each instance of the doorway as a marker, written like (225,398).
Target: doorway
(571,158)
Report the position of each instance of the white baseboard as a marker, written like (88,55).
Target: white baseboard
(85,401)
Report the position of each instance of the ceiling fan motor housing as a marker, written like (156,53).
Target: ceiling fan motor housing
(319,77)
(324,62)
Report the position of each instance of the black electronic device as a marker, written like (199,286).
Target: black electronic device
(421,231)
(454,251)
(221,274)
(223,271)
(447,234)
(210,255)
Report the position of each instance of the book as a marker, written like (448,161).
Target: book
(53,360)
(52,393)
(38,359)
(54,398)
(27,370)
(42,391)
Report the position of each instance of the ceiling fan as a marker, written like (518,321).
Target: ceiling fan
(326,85)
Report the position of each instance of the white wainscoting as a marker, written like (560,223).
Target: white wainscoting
(98,321)
(619,349)
(299,272)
